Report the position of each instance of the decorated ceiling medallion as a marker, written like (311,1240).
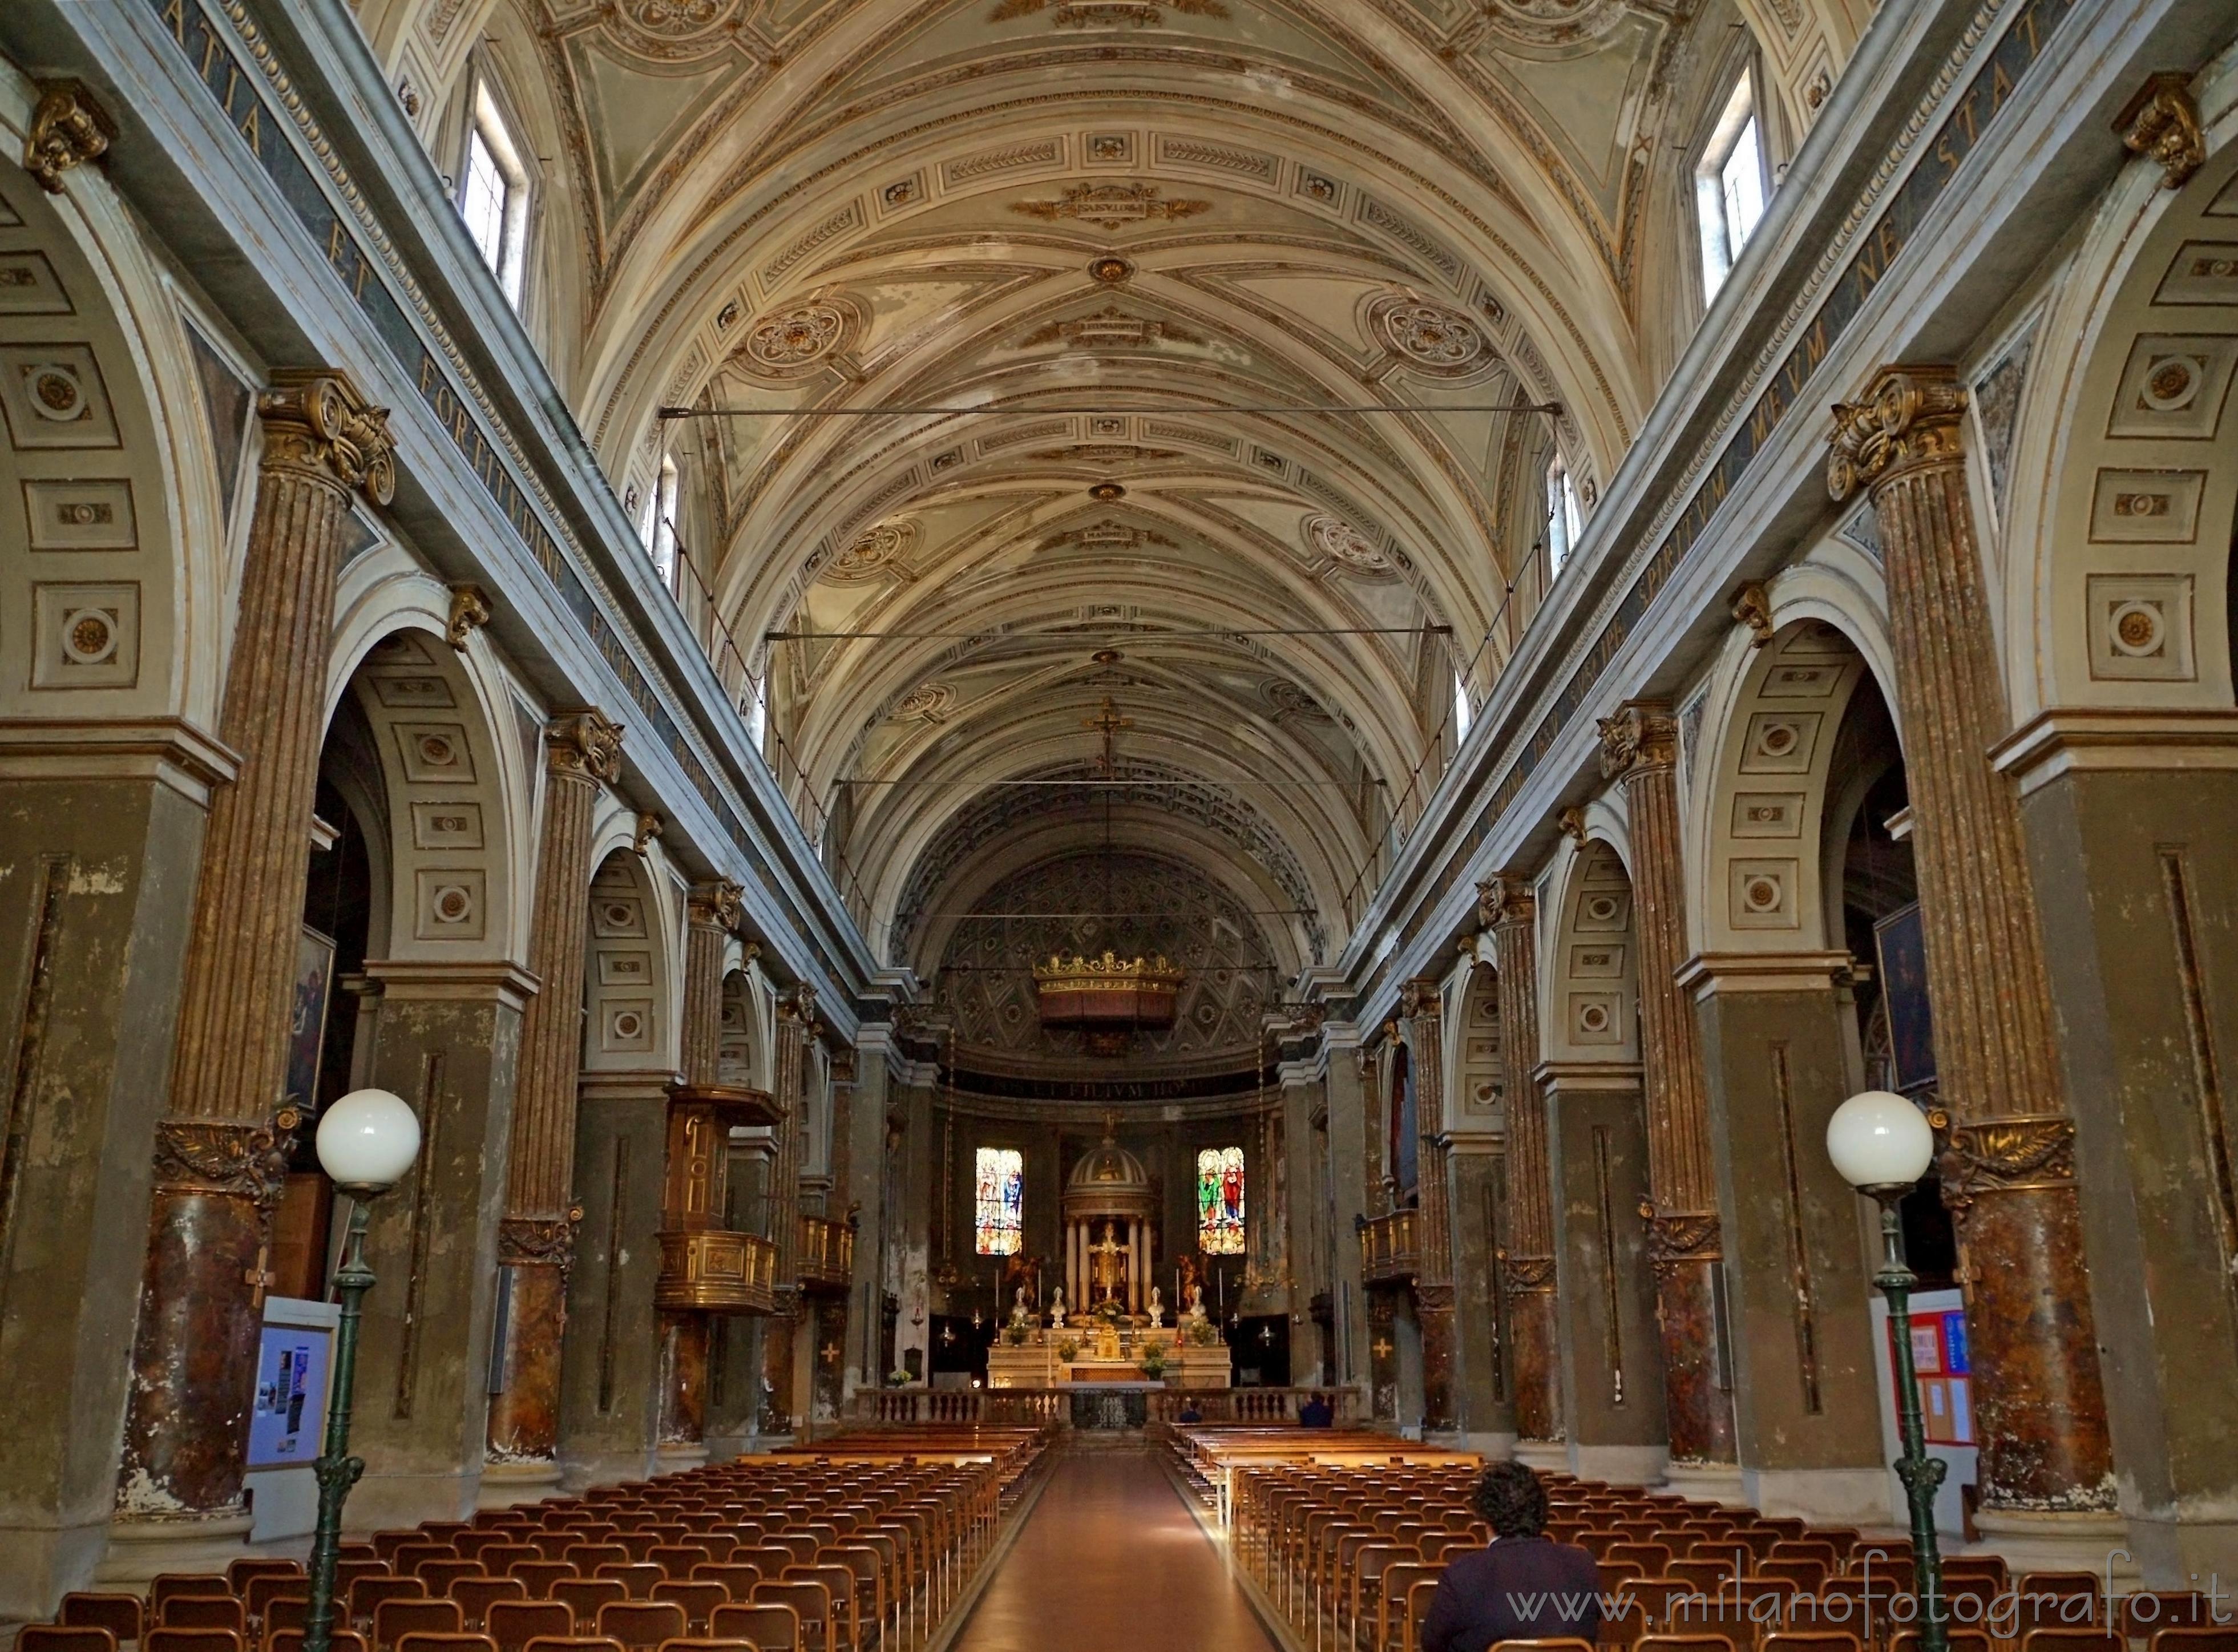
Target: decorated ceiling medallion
(929,702)
(1431,338)
(1111,206)
(1290,702)
(1111,271)
(671,31)
(1105,492)
(1345,544)
(873,555)
(1107,656)
(1553,22)
(787,343)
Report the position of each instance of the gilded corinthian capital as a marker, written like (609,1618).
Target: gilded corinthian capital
(1642,735)
(583,744)
(315,420)
(1910,417)
(1505,898)
(720,904)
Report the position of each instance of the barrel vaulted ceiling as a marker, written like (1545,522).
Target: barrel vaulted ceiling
(1115,223)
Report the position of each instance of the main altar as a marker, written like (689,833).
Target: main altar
(1102,1353)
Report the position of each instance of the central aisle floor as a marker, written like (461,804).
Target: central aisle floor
(1111,1560)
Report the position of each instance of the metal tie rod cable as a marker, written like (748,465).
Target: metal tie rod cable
(1128,628)
(1552,409)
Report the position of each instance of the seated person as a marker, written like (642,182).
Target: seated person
(1316,1413)
(1189,1413)
(1523,1587)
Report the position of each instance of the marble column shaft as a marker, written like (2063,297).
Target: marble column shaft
(1422,1004)
(1529,1266)
(536,1241)
(2008,1171)
(222,1153)
(1641,743)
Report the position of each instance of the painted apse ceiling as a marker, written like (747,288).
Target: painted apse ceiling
(1113,224)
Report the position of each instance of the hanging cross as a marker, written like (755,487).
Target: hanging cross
(258,1279)
(1108,722)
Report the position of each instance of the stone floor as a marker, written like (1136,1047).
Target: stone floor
(1111,1560)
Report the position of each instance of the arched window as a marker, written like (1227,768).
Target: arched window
(1732,181)
(660,532)
(1462,710)
(494,193)
(1564,523)
(1220,1201)
(1000,1221)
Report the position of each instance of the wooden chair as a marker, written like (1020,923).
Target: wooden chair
(122,1615)
(66,1637)
(705,1644)
(812,1602)
(1961,1640)
(513,1624)
(175,1584)
(641,1578)
(588,1594)
(770,1626)
(1811,1640)
(339,1640)
(571,1643)
(1688,1643)
(539,1575)
(2202,1638)
(475,1596)
(160,1639)
(267,1587)
(204,1612)
(588,1558)
(2072,1641)
(677,1560)
(2144,1613)
(368,1594)
(1550,1643)
(738,1579)
(461,1642)
(642,1624)
(393,1620)
(698,1600)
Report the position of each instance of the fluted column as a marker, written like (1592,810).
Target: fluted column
(536,1241)
(2009,1169)
(222,1151)
(1422,1004)
(711,912)
(1641,743)
(1509,908)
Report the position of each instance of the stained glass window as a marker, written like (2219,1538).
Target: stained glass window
(1002,1204)
(1220,1201)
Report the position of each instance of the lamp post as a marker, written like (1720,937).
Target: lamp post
(367,1140)
(1883,1144)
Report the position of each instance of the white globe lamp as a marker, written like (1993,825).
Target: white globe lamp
(368,1139)
(1880,1140)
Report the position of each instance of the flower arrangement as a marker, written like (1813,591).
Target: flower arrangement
(1067,1350)
(1202,1333)
(1015,1334)
(899,1377)
(1154,1362)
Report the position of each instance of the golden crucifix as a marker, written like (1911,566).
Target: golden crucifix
(1108,722)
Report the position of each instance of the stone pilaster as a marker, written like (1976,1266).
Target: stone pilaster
(537,1242)
(1640,744)
(1351,1074)
(610,1390)
(1423,1006)
(2009,1169)
(1611,1356)
(712,912)
(1512,910)
(795,1036)
(220,1151)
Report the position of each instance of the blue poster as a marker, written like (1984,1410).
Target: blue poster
(291,1397)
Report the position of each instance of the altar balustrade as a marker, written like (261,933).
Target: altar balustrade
(827,1255)
(1390,1251)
